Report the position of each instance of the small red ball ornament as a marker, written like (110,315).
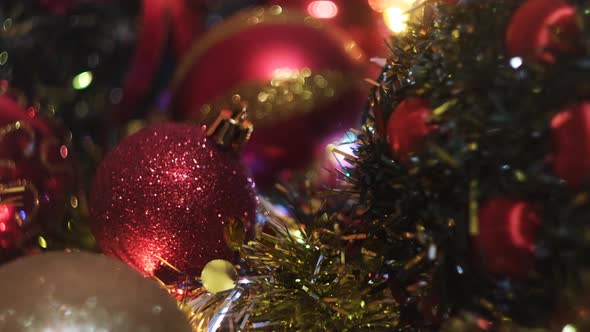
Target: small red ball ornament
(302,81)
(167,194)
(33,174)
(539,29)
(506,235)
(570,131)
(408,126)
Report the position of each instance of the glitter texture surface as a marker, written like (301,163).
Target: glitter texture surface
(82,292)
(166,193)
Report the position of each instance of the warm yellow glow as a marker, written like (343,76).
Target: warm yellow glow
(381,5)
(569,328)
(42,242)
(396,19)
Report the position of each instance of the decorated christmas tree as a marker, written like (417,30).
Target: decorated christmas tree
(183,144)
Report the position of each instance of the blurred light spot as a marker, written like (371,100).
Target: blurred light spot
(74,201)
(515,228)
(219,276)
(82,80)
(134,126)
(253,20)
(42,242)
(4,216)
(516,62)
(432,252)
(322,9)
(276,10)
(560,119)
(459,269)
(395,19)
(3,58)
(569,328)
(7,24)
(156,310)
(484,324)
(31,112)
(353,50)
(63,151)
(340,152)
(381,5)
(297,235)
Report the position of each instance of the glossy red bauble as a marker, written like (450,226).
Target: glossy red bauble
(506,235)
(408,126)
(166,194)
(540,29)
(570,130)
(301,78)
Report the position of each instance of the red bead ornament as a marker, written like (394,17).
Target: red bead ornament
(570,130)
(302,81)
(167,193)
(506,235)
(408,126)
(34,171)
(541,28)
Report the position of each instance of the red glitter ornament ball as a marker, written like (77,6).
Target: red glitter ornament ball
(167,193)
(570,131)
(506,235)
(539,29)
(34,171)
(408,126)
(302,82)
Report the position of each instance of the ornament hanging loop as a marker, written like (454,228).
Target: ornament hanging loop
(231,129)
